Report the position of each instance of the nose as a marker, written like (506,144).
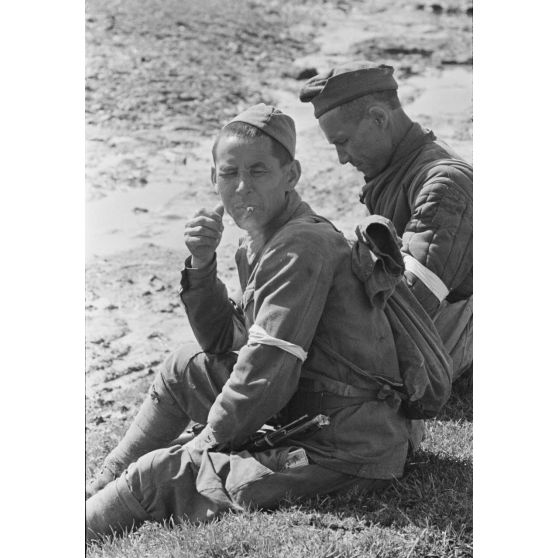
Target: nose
(244,183)
(342,155)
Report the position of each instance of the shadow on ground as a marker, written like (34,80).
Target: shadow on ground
(436,493)
(460,405)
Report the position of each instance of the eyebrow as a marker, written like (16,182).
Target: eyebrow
(335,137)
(232,166)
(337,140)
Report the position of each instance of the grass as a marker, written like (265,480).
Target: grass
(148,66)
(426,514)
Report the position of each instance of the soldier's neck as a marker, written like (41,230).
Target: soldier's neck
(256,239)
(400,124)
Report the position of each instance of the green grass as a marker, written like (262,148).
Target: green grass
(426,514)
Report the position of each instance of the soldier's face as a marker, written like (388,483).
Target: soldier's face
(360,142)
(250,180)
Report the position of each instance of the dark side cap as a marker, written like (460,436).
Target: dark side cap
(346,83)
(271,121)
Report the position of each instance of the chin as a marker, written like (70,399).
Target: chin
(371,172)
(247,223)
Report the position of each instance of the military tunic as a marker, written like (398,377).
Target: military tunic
(427,192)
(299,287)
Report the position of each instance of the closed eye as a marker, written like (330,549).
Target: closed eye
(227,172)
(258,172)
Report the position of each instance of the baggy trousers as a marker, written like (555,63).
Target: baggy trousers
(454,322)
(185,484)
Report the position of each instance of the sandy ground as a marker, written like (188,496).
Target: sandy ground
(149,135)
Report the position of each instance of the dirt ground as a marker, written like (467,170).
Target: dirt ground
(162,77)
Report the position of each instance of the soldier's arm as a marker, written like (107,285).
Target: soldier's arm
(216,320)
(291,287)
(438,240)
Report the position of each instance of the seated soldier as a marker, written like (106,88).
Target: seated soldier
(414,180)
(260,358)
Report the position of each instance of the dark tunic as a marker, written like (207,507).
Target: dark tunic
(427,191)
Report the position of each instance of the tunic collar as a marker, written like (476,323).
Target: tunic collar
(294,208)
(415,137)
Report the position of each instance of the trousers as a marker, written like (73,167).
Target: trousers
(183,483)
(454,322)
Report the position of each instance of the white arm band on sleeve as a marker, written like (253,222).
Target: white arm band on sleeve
(430,279)
(258,335)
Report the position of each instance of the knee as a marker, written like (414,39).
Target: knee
(151,471)
(192,380)
(188,368)
(176,365)
(163,481)
(169,382)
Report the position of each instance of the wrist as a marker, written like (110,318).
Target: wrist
(192,277)
(201,263)
(205,440)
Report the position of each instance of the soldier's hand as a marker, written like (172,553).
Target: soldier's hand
(202,235)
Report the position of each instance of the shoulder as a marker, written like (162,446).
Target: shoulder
(436,171)
(307,241)
(311,232)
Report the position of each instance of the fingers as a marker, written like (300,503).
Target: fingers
(219,209)
(202,233)
(200,245)
(211,230)
(205,223)
(216,213)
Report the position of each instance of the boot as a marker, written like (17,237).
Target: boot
(106,513)
(158,422)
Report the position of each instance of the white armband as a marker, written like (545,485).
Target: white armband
(258,335)
(430,279)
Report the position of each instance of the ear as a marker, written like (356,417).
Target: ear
(379,116)
(293,175)
(214,179)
